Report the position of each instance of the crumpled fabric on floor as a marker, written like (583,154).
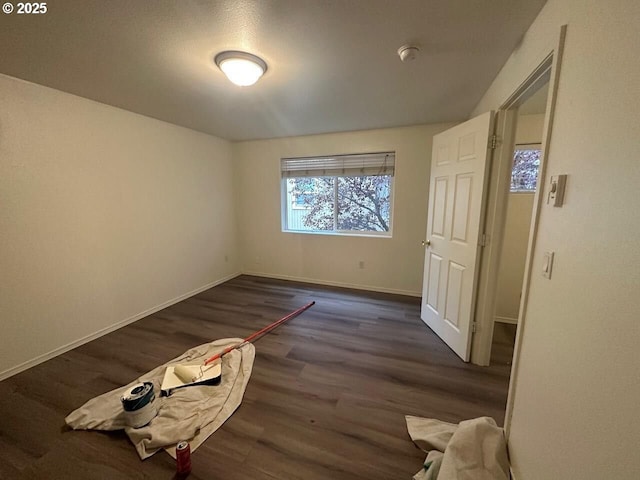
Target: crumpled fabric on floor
(472,450)
(191,413)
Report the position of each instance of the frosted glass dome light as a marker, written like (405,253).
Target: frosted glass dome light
(241,68)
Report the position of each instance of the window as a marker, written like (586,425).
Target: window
(341,194)
(526,162)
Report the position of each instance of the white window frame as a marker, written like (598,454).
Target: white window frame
(335,175)
(525,146)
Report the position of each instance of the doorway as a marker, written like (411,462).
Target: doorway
(478,324)
(524,182)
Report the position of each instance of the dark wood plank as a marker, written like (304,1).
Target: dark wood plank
(326,399)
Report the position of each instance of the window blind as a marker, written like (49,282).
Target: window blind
(340,165)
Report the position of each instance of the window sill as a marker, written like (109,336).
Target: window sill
(343,234)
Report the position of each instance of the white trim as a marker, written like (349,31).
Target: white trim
(511,320)
(370,288)
(342,233)
(554,81)
(103,331)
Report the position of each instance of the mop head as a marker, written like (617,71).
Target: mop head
(180,376)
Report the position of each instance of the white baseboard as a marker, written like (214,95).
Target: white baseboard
(103,331)
(369,288)
(511,320)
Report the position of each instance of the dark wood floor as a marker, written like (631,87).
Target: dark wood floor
(504,338)
(326,399)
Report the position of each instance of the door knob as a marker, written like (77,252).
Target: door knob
(426,243)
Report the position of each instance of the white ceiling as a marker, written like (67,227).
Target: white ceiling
(332,63)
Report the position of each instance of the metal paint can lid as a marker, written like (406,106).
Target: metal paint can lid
(138,396)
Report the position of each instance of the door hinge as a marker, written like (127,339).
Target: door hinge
(474,327)
(483,240)
(493,142)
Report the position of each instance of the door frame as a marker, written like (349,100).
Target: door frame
(506,118)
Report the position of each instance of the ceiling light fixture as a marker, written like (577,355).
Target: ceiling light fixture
(241,68)
(408,52)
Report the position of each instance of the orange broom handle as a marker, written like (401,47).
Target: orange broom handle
(262,331)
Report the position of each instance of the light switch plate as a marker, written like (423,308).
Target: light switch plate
(547,264)
(556,190)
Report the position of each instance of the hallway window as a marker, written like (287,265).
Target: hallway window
(526,163)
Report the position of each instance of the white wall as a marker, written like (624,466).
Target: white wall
(529,129)
(104,216)
(391,264)
(575,414)
(513,255)
(516,231)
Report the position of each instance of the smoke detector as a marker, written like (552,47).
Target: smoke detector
(408,52)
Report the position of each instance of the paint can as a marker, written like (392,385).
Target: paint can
(139,405)
(183,459)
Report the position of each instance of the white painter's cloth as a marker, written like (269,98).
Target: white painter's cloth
(191,413)
(472,450)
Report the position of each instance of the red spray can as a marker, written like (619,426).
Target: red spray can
(183,459)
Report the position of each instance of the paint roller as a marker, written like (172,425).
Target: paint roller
(195,374)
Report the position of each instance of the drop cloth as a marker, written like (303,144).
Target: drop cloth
(472,450)
(190,414)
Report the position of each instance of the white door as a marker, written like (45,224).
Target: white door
(459,174)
